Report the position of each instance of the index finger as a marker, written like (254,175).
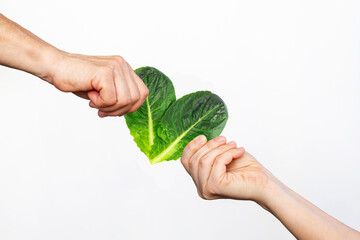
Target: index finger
(191,149)
(207,161)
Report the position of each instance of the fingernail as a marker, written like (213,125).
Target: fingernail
(233,143)
(220,139)
(201,139)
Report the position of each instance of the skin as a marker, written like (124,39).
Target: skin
(219,169)
(108,82)
(222,170)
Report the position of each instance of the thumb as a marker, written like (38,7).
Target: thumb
(219,167)
(93,96)
(104,95)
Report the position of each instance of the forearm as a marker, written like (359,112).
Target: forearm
(303,219)
(23,50)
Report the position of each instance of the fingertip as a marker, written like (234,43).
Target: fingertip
(220,139)
(101,114)
(232,143)
(239,152)
(92,104)
(200,139)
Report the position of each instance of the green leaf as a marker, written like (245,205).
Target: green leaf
(143,123)
(162,127)
(190,116)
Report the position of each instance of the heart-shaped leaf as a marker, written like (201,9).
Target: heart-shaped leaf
(164,137)
(143,123)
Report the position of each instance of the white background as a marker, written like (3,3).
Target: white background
(289,72)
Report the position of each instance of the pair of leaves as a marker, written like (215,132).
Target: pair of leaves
(163,126)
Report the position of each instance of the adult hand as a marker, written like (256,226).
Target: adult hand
(108,81)
(221,170)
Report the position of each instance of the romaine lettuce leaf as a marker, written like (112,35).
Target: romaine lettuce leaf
(162,127)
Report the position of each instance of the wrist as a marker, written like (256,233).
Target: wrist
(271,191)
(49,59)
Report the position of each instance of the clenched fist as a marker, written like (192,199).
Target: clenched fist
(108,81)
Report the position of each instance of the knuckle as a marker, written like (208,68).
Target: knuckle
(110,100)
(190,165)
(135,98)
(139,81)
(119,61)
(193,145)
(182,160)
(189,148)
(200,194)
(208,192)
(206,196)
(131,110)
(119,58)
(145,92)
(185,151)
(207,148)
(124,101)
(202,162)
(213,144)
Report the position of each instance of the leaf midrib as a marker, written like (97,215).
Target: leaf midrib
(150,124)
(159,157)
